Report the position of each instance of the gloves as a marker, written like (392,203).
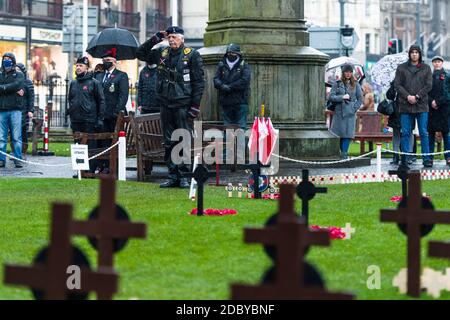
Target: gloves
(194,112)
(226,88)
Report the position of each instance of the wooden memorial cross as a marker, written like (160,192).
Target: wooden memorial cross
(307,191)
(51,277)
(201,175)
(402,173)
(291,238)
(414,217)
(106,227)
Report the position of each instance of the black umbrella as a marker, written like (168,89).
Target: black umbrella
(119,43)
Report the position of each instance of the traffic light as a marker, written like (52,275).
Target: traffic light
(394,46)
(391,48)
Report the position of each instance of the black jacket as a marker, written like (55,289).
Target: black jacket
(394,119)
(86,100)
(438,118)
(115,90)
(147,89)
(238,80)
(180,81)
(10,83)
(28,97)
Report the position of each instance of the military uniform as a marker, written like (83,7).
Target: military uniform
(179,89)
(115,89)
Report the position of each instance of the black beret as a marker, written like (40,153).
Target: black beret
(83,60)
(175,30)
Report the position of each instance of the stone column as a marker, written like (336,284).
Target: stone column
(287,75)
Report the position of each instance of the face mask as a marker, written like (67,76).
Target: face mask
(107,65)
(7,64)
(232,58)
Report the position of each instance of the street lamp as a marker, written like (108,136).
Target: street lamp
(347,38)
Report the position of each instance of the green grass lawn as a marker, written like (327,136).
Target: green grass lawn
(189,257)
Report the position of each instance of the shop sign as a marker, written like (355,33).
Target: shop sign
(47,35)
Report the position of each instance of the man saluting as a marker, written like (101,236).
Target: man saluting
(179,89)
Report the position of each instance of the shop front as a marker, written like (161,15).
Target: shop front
(13,39)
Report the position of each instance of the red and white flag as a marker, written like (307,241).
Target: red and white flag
(263,133)
(253,141)
(271,140)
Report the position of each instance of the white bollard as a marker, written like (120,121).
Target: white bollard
(379,162)
(122,156)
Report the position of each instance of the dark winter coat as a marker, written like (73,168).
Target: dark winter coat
(343,124)
(438,118)
(394,119)
(28,97)
(115,91)
(180,81)
(147,89)
(10,83)
(413,80)
(86,100)
(238,81)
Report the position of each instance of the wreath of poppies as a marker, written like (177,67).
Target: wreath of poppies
(335,232)
(214,212)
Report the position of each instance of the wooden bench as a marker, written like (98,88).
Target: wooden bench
(369,128)
(149,143)
(222,129)
(124,123)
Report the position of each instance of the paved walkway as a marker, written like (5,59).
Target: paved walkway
(159,172)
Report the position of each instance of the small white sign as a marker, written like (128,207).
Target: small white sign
(80,157)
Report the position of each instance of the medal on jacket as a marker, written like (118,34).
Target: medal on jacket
(112,89)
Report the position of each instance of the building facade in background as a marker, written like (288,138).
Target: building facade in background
(33,30)
(364,16)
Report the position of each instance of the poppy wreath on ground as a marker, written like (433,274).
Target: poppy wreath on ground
(275,196)
(398,199)
(335,232)
(215,212)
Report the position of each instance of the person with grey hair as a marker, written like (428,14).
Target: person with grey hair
(179,89)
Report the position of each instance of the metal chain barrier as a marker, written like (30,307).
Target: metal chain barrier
(57,165)
(415,154)
(324,162)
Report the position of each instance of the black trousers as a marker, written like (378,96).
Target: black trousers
(109,125)
(171,120)
(86,127)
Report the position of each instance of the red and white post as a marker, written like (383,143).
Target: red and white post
(45,151)
(122,156)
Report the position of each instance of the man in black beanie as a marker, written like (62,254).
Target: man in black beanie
(413,81)
(86,103)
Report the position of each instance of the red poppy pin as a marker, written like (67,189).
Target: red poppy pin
(442,77)
(147,75)
(85,88)
(113,76)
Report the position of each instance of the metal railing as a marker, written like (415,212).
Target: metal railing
(32,8)
(56,91)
